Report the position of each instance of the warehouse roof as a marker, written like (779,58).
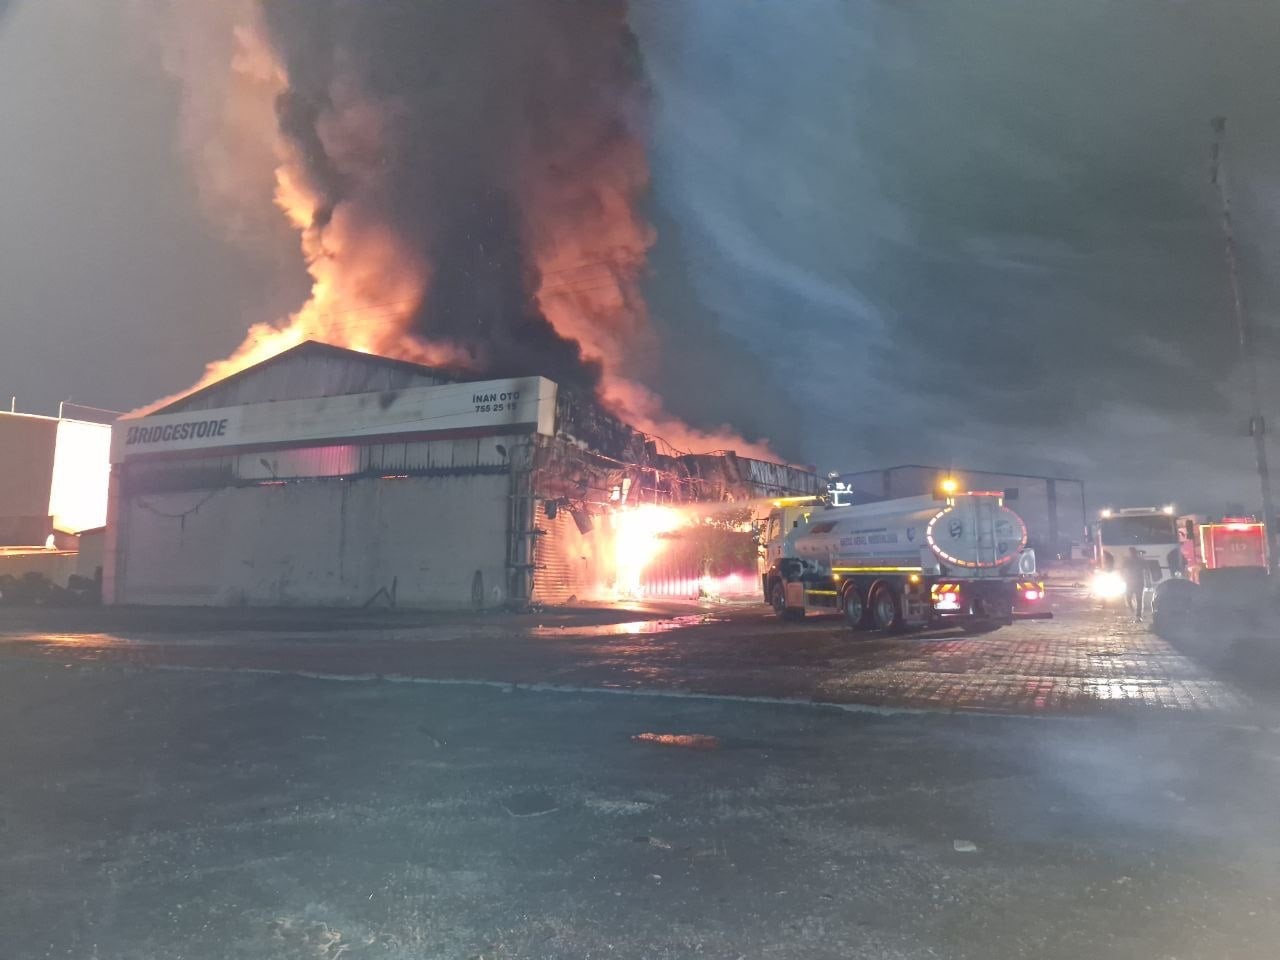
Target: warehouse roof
(311,369)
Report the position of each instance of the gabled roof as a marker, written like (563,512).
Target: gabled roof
(308,349)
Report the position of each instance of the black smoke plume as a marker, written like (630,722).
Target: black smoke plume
(487,108)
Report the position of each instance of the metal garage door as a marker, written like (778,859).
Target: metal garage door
(319,542)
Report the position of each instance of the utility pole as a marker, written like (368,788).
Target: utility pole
(1244,333)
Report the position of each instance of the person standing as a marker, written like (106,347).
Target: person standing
(1136,579)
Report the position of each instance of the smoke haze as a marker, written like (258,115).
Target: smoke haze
(979,233)
(982,233)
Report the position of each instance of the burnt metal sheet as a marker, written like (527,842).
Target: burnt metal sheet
(771,478)
(579,418)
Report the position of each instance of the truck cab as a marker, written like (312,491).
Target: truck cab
(1152,531)
(788,515)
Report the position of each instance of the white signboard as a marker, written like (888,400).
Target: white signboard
(175,431)
(489,405)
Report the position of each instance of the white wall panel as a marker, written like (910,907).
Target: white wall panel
(81,468)
(325,542)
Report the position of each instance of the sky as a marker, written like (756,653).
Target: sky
(971,232)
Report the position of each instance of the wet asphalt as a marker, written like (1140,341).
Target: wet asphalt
(1087,661)
(150,810)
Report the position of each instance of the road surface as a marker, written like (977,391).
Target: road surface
(723,785)
(1085,662)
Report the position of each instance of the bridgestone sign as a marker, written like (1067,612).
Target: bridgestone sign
(197,429)
(488,407)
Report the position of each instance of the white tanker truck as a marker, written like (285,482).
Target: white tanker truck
(897,563)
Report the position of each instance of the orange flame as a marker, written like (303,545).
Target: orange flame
(365,283)
(637,541)
(581,221)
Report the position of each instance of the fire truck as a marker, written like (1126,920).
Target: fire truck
(1232,543)
(1154,532)
(890,564)
(1226,576)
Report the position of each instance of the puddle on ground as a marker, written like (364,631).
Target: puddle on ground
(82,640)
(630,629)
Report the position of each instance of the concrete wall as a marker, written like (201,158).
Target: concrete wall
(316,542)
(55,565)
(89,557)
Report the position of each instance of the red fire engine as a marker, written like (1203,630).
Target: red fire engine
(1233,542)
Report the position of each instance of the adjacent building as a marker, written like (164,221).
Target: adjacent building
(53,493)
(1052,507)
(53,476)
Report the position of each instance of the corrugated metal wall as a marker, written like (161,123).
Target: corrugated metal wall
(563,558)
(721,563)
(572,564)
(475,455)
(770,479)
(319,525)
(433,541)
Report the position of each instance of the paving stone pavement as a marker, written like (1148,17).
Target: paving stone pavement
(1086,661)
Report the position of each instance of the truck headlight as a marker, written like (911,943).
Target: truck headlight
(1107,585)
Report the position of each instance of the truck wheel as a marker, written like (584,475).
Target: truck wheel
(885,610)
(778,599)
(855,611)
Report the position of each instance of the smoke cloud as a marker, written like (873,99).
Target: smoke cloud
(227,127)
(495,140)
(467,180)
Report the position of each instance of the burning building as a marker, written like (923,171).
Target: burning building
(459,414)
(327,476)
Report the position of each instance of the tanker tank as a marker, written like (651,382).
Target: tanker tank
(973,532)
